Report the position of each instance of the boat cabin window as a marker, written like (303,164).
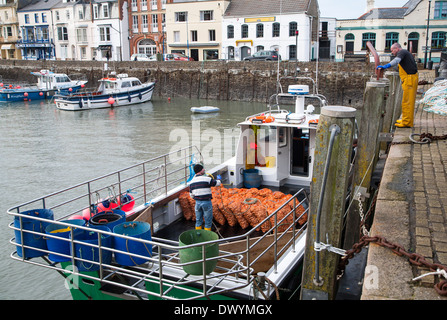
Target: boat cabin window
(135,83)
(109,85)
(62,79)
(126,84)
(300,152)
(266,140)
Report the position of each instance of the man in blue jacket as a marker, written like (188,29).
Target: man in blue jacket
(200,190)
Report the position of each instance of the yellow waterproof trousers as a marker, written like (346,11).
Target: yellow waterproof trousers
(409,87)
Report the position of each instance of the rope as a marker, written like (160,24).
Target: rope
(435,99)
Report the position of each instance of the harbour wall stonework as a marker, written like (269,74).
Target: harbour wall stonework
(342,83)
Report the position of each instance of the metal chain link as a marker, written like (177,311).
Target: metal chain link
(413,258)
(424,138)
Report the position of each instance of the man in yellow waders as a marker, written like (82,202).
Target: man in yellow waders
(408,73)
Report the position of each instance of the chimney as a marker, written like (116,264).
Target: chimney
(369,5)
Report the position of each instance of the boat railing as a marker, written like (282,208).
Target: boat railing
(162,276)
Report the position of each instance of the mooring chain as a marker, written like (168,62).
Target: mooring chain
(413,258)
(424,138)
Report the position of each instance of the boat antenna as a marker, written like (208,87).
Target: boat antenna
(277,71)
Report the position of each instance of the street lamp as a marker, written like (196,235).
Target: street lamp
(426,38)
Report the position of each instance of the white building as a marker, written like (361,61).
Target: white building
(194,28)
(406,25)
(288,26)
(91,31)
(74,30)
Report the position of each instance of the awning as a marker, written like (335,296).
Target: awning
(7,46)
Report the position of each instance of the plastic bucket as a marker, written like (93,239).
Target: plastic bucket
(90,253)
(109,219)
(252,178)
(196,253)
(30,239)
(61,246)
(135,229)
(270,162)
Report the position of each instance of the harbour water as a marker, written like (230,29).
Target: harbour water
(43,150)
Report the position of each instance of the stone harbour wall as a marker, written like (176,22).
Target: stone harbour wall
(342,83)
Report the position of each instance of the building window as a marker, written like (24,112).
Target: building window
(104,33)
(211,54)
(181,16)
(206,15)
(371,37)
(147,46)
(193,35)
(292,52)
(176,36)
(62,33)
(154,18)
(105,11)
(293,27)
(36,18)
(135,24)
(44,18)
(259,30)
(440,10)
(230,32)
(81,35)
(144,23)
(391,38)
(95,12)
(230,53)
(81,13)
(27,18)
(7,32)
(244,31)
(57,16)
(212,35)
(437,40)
(276,29)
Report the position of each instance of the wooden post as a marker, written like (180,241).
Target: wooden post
(331,196)
(367,150)
(396,92)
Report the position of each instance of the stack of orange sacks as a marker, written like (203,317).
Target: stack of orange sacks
(246,207)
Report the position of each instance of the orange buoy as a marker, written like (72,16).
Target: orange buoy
(111,100)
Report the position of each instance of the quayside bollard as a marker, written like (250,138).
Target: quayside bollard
(328,189)
(366,156)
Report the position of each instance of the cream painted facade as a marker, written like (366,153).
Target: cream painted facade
(195,29)
(410,31)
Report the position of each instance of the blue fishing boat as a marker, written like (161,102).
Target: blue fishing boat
(113,91)
(48,84)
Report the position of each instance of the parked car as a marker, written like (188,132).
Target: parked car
(264,55)
(181,57)
(140,57)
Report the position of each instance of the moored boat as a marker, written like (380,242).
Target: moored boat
(113,91)
(260,221)
(48,84)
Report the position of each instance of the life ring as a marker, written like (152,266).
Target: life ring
(313,122)
(262,119)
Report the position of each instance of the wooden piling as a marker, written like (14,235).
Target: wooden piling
(366,156)
(333,204)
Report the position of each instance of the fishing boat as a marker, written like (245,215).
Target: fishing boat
(113,91)
(205,109)
(257,243)
(48,84)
